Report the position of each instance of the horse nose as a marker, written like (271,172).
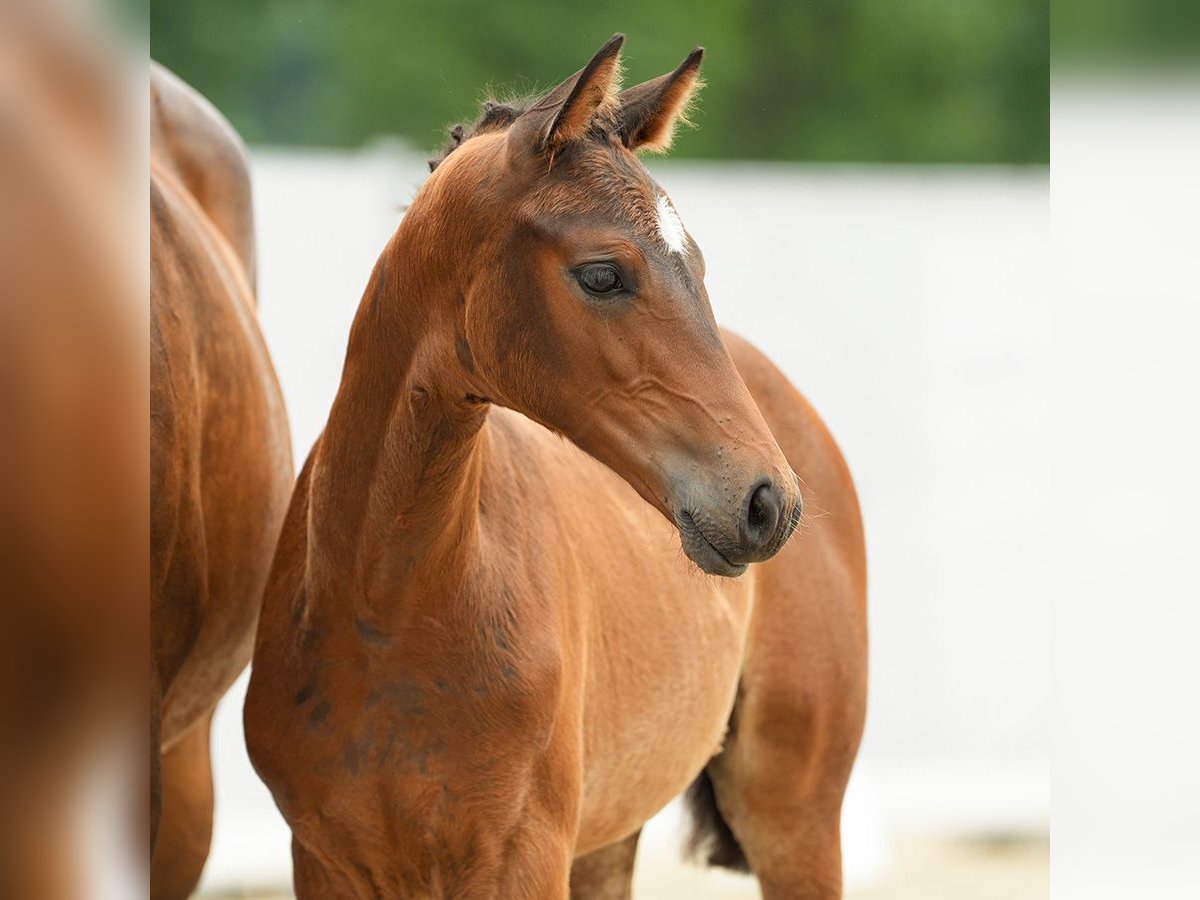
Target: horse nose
(767,524)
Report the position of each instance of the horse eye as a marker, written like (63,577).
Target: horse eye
(599,278)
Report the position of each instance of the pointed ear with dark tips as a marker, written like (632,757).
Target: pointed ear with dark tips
(565,113)
(647,114)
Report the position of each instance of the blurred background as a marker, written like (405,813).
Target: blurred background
(928,81)
(1126,137)
(869,183)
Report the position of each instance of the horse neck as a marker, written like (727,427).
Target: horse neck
(395,486)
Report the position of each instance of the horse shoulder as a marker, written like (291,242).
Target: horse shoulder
(277,679)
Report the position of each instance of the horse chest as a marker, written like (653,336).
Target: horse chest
(432,703)
(442,744)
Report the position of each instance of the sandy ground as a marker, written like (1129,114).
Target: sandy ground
(925,867)
(1005,868)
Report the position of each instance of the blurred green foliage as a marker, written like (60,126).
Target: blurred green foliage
(1107,34)
(830,80)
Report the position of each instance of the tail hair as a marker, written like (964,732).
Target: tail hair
(711,841)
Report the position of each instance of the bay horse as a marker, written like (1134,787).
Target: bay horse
(74,605)
(220,459)
(482,662)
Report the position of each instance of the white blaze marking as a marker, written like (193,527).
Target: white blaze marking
(670,229)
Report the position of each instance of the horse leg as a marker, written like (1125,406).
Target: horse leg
(185,826)
(790,841)
(776,788)
(607,873)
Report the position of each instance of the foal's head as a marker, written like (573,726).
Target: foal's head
(580,302)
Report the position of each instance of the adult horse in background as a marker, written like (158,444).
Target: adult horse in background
(221,467)
(482,662)
(73,444)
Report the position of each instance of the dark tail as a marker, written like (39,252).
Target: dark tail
(711,840)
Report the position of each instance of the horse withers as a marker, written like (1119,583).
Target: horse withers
(483,662)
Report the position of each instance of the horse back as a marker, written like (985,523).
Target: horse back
(197,144)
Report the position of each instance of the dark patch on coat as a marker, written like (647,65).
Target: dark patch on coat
(319,714)
(309,638)
(305,693)
(402,697)
(463,351)
(357,752)
(300,607)
(370,633)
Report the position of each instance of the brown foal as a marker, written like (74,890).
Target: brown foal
(483,662)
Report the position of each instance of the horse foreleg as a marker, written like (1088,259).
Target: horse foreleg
(185,826)
(607,873)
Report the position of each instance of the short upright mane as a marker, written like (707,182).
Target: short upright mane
(497,116)
(493,116)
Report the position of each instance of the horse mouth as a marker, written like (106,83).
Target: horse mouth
(701,550)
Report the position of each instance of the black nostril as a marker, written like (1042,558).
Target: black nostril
(764,513)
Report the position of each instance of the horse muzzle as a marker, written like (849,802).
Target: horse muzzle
(725,542)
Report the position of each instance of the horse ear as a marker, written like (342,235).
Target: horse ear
(565,112)
(647,114)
